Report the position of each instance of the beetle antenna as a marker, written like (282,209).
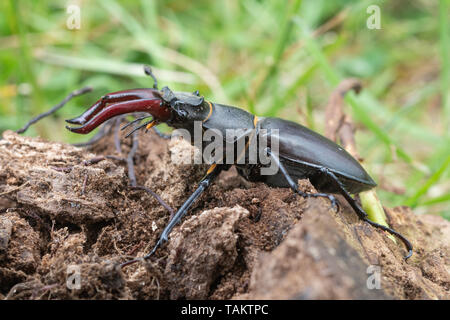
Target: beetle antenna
(148,71)
(137,128)
(134,121)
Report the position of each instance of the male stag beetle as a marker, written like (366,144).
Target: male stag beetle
(302,153)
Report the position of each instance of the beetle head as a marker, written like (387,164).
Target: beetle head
(184,105)
(175,108)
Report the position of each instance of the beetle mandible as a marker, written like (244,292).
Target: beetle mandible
(303,153)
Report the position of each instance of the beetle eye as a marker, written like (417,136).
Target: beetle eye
(197,93)
(182,113)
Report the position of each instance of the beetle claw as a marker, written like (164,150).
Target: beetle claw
(73,129)
(76,120)
(333,200)
(410,253)
(334,203)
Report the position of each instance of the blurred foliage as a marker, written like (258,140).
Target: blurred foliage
(279,58)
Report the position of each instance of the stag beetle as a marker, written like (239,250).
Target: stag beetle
(303,153)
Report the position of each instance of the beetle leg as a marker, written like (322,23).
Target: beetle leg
(294,186)
(212,173)
(55,108)
(361,213)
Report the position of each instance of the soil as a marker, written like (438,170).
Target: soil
(241,240)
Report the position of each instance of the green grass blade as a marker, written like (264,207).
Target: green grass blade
(436,200)
(334,78)
(111,66)
(445,60)
(155,50)
(413,200)
(286,31)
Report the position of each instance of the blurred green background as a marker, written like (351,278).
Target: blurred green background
(279,58)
